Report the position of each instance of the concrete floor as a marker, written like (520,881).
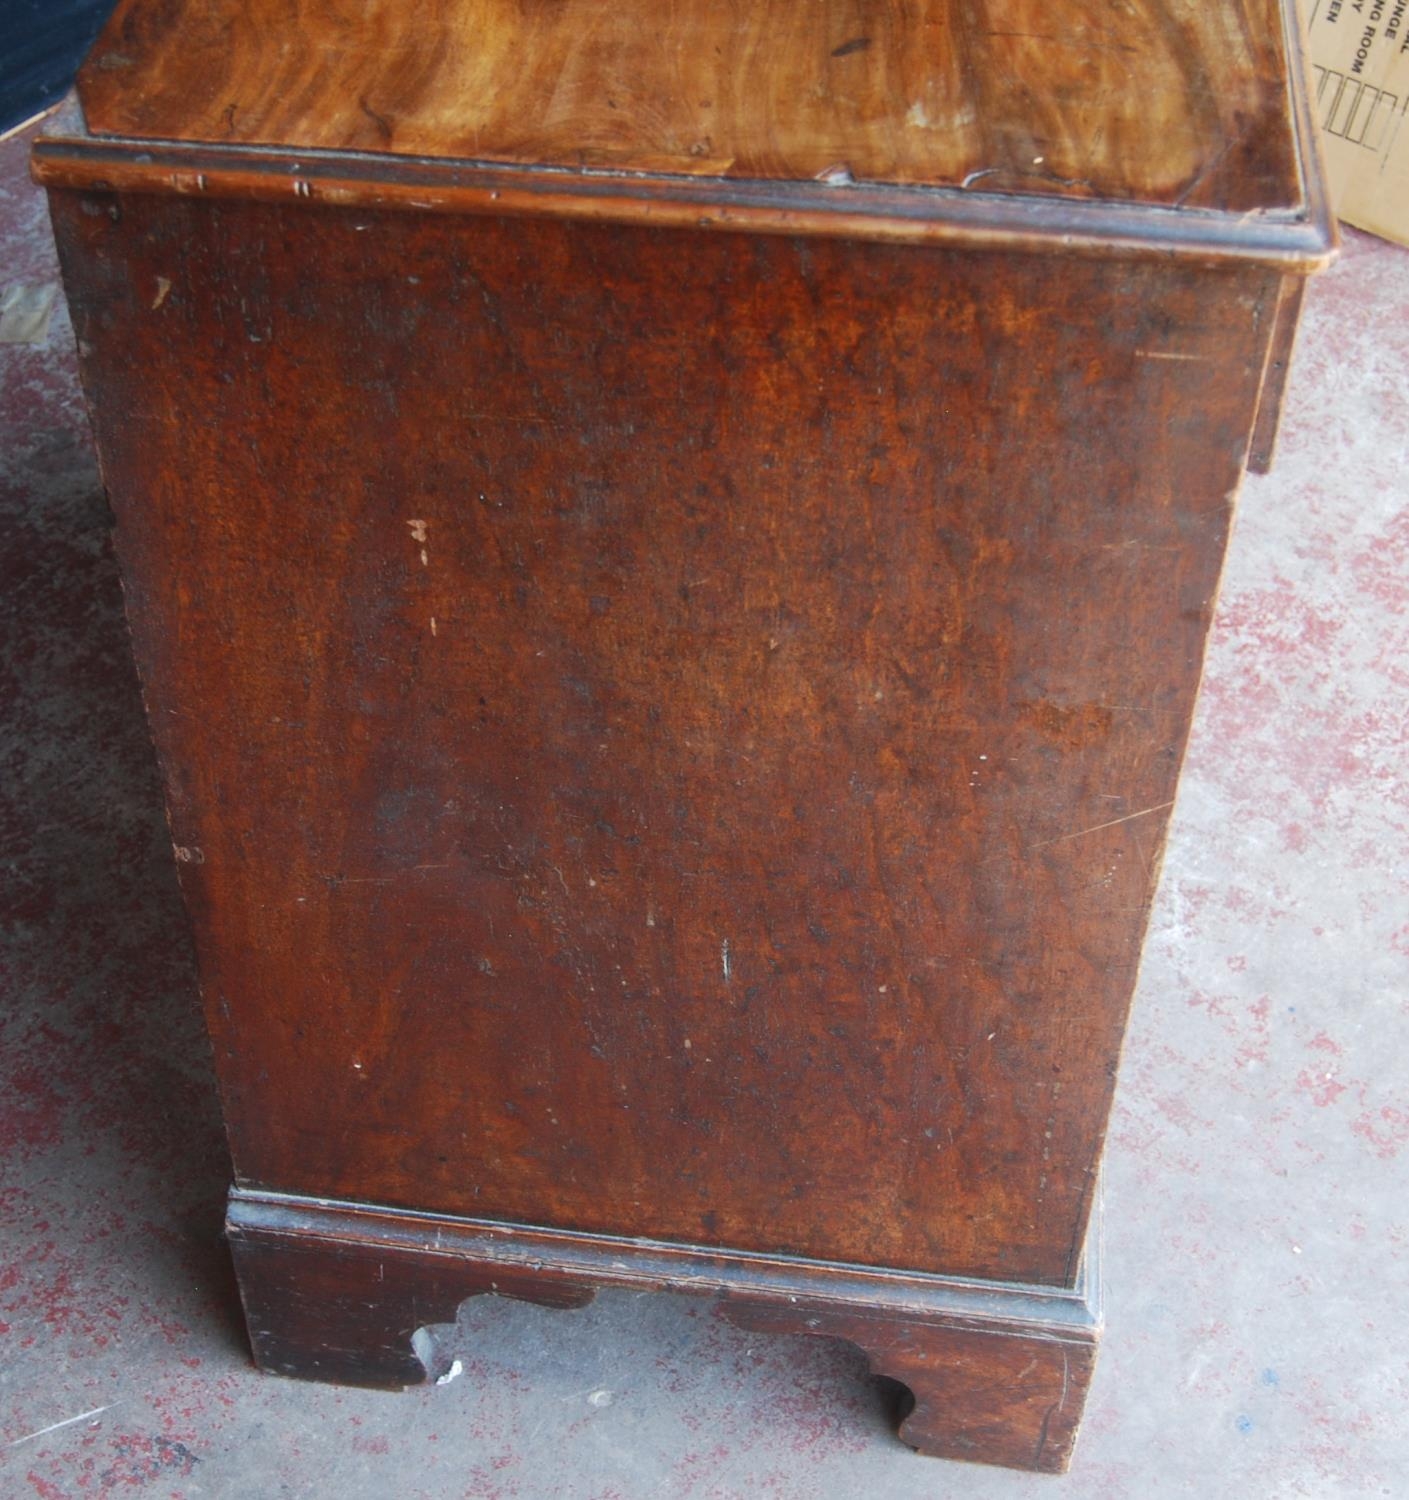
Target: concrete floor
(1258,1170)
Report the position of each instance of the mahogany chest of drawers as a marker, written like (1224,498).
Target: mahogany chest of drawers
(669,553)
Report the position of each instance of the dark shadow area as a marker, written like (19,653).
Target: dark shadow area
(794,1387)
(108,1112)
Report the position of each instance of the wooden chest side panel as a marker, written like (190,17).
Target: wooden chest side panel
(666,734)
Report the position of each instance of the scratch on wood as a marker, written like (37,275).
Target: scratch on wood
(1114,822)
(1055,1409)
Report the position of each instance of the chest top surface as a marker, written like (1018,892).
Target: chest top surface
(1169,103)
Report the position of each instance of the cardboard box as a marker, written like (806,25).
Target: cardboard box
(1359,53)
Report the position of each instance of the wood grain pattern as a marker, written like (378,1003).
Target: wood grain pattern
(341,1291)
(666,734)
(1170,102)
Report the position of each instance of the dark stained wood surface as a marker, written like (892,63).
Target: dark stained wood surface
(1296,244)
(339,1291)
(1012,1400)
(667,734)
(1274,381)
(1169,102)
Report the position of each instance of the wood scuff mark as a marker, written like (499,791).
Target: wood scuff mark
(1114,822)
